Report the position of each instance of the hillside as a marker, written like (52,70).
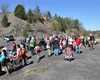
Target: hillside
(17,26)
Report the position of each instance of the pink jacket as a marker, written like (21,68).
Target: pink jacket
(74,43)
(68,51)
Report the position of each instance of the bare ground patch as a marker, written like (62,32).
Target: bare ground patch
(39,69)
(35,70)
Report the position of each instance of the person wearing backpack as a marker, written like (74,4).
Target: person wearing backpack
(56,45)
(13,46)
(37,51)
(3,62)
(24,56)
(42,43)
(19,56)
(52,41)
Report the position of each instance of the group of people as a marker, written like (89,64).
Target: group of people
(37,44)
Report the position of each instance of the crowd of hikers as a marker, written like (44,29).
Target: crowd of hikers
(36,44)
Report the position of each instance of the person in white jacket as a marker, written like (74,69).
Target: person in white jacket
(48,47)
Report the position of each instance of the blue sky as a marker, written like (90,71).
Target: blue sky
(87,11)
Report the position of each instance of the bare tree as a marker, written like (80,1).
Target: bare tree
(5,8)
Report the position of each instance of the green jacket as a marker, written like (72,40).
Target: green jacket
(32,43)
(84,39)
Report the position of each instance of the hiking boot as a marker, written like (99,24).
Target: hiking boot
(49,55)
(38,60)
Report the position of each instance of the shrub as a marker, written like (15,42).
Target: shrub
(4,21)
(26,30)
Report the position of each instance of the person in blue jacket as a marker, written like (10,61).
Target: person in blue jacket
(3,62)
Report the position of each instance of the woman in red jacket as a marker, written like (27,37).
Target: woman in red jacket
(78,43)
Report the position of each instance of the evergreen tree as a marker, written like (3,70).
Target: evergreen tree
(20,12)
(37,13)
(63,25)
(37,10)
(4,21)
(55,17)
(30,16)
(49,16)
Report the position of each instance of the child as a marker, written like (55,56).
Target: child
(69,54)
(37,51)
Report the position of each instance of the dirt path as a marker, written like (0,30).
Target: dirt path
(86,66)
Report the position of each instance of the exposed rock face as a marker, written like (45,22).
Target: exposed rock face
(17,26)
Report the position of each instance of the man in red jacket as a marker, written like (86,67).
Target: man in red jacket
(78,43)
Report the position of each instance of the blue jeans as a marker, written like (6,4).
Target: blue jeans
(77,49)
(56,51)
(38,55)
(62,50)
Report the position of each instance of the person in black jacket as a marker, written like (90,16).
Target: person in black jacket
(56,46)
(92,39)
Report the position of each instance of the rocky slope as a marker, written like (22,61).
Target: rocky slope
(17,26)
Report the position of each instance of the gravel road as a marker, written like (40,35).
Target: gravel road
(86,66)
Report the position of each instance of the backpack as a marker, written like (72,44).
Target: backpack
(52,40)
(22,52)
(38,49)
(41,39)
(63,46)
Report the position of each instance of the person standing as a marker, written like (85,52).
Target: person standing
(74,45)
(42,43)
(3,62)
(56,45)
(13,46)
(84,41)
(70,41)
(32,46)
(19,56)
(78,43)
(37,51)
(48,46)
(92,39)
(88,41)
(24,54)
